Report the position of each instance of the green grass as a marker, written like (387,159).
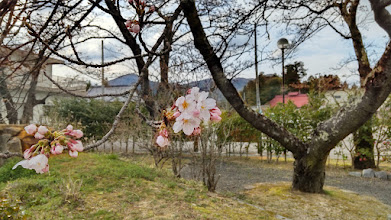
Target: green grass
(99,186)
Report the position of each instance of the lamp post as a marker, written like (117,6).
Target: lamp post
(283,44)
(258,100)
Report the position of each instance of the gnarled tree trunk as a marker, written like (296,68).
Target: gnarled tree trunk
(309,173)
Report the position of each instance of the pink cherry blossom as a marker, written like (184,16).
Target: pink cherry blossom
(205,105)
(73,153)
(215,117)
(46,169)
(128,23)
(42,130)
(27,153)
(76,133)
(69,128)
(196,113)
(216,110)
(194,92)
(162,141)
(187,123)
(136,28)
(78,146)
(163,133)
(75,145)
(185,104)
(30,129)
(38,163)
(39,135)
(176,114)
(57,149)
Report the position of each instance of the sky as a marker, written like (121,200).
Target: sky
(322,54)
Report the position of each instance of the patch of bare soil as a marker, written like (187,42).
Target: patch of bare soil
(239,175)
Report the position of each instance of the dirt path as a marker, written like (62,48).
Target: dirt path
(237,175)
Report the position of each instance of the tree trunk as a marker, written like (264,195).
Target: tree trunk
(31,100)
(363,140)
(12,113)
(309,173)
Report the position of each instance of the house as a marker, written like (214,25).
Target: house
(119,85)
(114,87)
(15,80)
(342,97)
(296,97)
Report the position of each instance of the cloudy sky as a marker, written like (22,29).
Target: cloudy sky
(324,53)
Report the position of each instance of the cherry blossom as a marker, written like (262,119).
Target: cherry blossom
(162,141)
(27,153)
(50,143)
(38,163)
(57,149)
(42,130)
(187,123)
(188,112)
(39,135)
(185,104)
(73,153)
(30,129)
(69,128)
(76,133)
(205,105)
(136,28)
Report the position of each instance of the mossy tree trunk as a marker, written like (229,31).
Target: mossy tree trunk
(309,173)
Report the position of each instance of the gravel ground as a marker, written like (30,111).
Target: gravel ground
(236,176)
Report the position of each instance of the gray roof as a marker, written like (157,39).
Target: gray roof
(112,90)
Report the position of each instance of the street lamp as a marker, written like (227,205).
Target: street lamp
(283,44)
(258,101)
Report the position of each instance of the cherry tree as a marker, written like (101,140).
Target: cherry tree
(310,157)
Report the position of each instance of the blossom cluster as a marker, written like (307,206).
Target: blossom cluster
(139,5)
(189,112)
(49,142)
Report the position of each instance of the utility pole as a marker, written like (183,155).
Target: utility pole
(103,72)
(258,101)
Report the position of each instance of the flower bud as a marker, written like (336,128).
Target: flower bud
(177,114)
(69,128)
(136,28)
(39,135)
(30,129)
(162,141)
(42,130)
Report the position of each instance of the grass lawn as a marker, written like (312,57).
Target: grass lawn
(95,186)
(101,186)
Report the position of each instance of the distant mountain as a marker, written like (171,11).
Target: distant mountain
(207,84)
(124,80)
(130,79)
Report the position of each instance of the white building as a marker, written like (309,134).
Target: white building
(17,81)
